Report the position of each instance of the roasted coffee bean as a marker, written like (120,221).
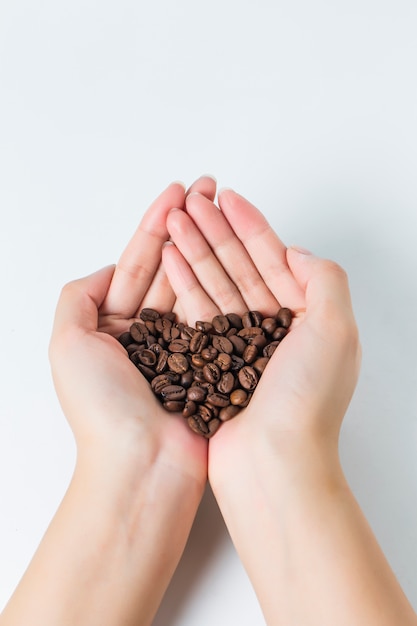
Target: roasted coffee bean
(187,378)
(135,347)
(270,349)
(238,397)
(125,339)
(162,363)
(211,373)
(149,315)
(138,331)
(179,345)
(213,426)
(163,380)
(269,324)
(220,324)
(251,318)
(209,353)
(239,344)
(224,361)
(134,357)
(190,407)
(162,323)
(280,333)
(197,361)
(187,332)
(204,327)
(248,378)
(250,331)
(218,399)
(198,425)
(237,363)
(206,411)
(146,371)
(226,383)
(178,363)
(173,392)
(147,357)
(260,364)
(196,393)
(228,412)
(259,341)
(284,317)
(170,333)
(235,320)
(176,406)
(198,341)
(250,354)
(222,344)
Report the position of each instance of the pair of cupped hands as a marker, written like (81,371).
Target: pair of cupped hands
(200,259)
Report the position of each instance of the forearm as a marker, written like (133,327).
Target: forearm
(110,550)
(310,553)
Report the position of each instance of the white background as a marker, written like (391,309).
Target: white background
(307,108)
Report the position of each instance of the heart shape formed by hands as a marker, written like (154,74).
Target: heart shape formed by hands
(208,373)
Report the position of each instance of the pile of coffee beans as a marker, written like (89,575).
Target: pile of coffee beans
(208,373)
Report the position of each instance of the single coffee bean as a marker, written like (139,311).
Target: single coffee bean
(270,349)
(223,361)
(187,332)
(269,324)
(196,393)
(170,333)
(249,332)
(146,371)
(197,361)
(218,399)
(206,412)
(198,425)
(238,397)
(149,315)
(204,327)
(209,353)
(174,406)
(198,341)
(237,363)
(134,357)
(178,363)
(260,364)
(280,333)
(239,344)
(228,412)
(235,320)
(162,363)
(147,357)
(190,407)
(222,344)
(187,378)
(135,347)
(163,380)
(213,426)
(251,318)
(248,378)
(220,324)
(138,331)
(125,339)
(173,392)
(259,341)
(250,354)
(226,383)
(162,323)
(211,373)
(284,317)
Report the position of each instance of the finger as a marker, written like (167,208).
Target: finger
(80,301)
(266,250)
(231,253)
(160,295)
(140,260)
(206,185)
(207,269)
(194,303)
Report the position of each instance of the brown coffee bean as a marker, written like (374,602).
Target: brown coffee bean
(269,324)
(135,347)
(220,324)
(226,383)
(178,363)
(259,341)
(138,331)
(147,357)
(260,364)
(206,412)
(251,318)
(250,354)
(146,371)
(189,409)
(238,397)
(187,378)
(198,341)
(209,353)
(237,363)
(197,360)
(250,331)
(173,392)
(196,393)
(218,399)
(176,406)
(235,320)
(284,317)
(162,363)
(211,373)
(125,339)
(149,315)
(163,380)
(248,378)
(179,345)
(162,323)
(213,426)
(222,344)
(239,344)
(228,412)
(280,333)
(270,349)
(224,361)
(198,425)
(204,327)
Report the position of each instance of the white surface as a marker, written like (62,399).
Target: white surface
(308,109)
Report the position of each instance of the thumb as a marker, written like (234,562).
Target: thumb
(324,282)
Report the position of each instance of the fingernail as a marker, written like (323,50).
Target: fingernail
(300,250)
(220,191)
